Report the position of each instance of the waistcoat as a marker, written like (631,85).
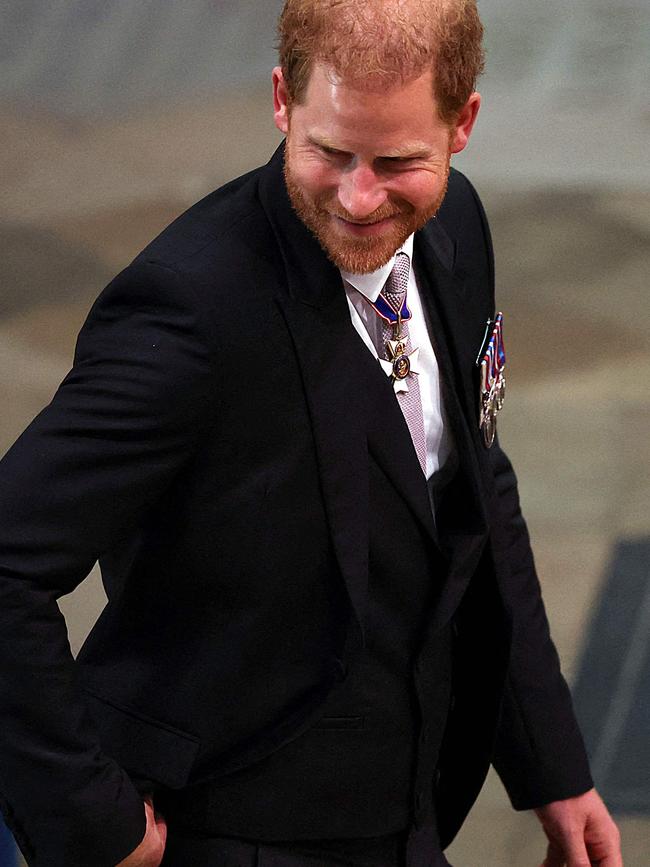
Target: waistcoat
(366,768)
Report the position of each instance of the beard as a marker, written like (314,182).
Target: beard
(358,255)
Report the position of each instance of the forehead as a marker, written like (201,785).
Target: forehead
(368,113)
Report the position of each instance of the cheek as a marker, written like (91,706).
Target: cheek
(316,180)
(419,191)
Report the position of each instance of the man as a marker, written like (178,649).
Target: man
(323,620)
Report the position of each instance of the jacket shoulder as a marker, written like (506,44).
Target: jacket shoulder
(463,219)
(226,223)
(460,202)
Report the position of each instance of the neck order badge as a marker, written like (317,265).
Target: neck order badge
(391,307)
(492,362)
(401,364)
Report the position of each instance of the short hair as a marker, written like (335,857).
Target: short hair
(374,41)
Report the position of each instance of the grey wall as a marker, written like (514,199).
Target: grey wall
(106,56)
(565,91)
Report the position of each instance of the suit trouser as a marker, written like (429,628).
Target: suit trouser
(410,848)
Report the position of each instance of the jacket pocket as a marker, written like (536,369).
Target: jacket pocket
(143,746)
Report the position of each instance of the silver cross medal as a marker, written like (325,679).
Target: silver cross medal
(400,363)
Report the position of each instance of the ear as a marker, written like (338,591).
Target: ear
(280,101)
(462,128)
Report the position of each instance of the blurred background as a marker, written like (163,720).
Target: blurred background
(116,116)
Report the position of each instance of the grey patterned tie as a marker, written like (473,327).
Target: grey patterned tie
(394,292)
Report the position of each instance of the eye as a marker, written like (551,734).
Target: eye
(332,152)
(398,159)
(396,162)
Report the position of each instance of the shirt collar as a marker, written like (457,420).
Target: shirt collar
(371,284)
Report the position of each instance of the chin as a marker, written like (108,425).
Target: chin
(360,261)
(360,255)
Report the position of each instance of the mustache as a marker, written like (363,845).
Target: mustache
(385,212)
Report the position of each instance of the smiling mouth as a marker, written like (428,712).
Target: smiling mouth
(361,228)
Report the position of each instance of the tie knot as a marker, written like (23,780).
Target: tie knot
(395,289)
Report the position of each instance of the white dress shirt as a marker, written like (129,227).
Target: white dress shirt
(361,288)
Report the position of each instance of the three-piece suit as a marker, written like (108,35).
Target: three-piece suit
(294,647)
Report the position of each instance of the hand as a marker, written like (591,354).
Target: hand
(152,848)
(580,832)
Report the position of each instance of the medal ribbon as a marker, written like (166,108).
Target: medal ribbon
(494,357)
(382,308)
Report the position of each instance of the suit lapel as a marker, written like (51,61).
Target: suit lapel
(327,353)
(462,522)
(447,304)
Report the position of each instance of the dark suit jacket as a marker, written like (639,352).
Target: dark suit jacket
(210,447)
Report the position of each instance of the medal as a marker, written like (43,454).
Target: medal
(491,361)
(400,364)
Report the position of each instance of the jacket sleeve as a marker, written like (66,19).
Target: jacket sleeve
(120,426)
(540,755)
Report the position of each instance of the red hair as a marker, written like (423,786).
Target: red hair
(373,42)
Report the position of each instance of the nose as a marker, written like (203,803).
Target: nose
(360,191)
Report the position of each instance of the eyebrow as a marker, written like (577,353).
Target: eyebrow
(407,151)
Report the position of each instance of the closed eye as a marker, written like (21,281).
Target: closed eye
(332,152)
(396,163)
